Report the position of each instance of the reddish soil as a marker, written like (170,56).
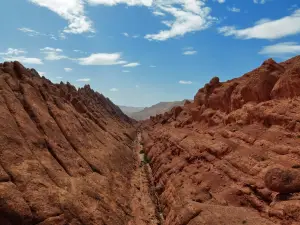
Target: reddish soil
(233,155)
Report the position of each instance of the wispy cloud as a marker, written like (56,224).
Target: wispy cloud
(158,13)
(114,89)
(53,54)
(234,9)
(13,51)
(125,34)
(220,1)
(284,49)
(125,71)
(260,1)
(185,82)
(33,33)
(130,36)
(83,80)
(102,59)
(293,7)
(152,66)
(188,15)
(29,31)
(135,64)
(269,29)
(13,54)
(24,60)
(72,11)
(68,69)
(189,51)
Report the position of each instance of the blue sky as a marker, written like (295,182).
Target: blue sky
(141,52)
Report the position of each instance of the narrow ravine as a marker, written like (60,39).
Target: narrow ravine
(144,205)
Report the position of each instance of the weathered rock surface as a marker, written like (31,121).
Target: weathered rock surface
(66,155)
(216,158)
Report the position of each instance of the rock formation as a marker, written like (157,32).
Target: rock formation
(232,156)
(66,155)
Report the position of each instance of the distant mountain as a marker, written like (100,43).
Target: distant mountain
(128,110)
(154,110)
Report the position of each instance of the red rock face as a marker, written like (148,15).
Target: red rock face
(65,155)
(224,158)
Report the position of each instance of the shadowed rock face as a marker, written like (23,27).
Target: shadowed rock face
(65,154)
(215,157)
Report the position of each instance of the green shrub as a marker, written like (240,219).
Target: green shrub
(146,159)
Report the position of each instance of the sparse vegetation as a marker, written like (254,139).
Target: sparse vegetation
(296,166)
(244,221)
(146,159)
(142,151)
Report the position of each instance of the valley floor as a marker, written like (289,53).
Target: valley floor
(144,204)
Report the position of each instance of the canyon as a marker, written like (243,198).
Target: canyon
(231,156)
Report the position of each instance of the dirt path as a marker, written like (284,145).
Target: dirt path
(143,204)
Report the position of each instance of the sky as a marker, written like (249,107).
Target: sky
(141,52)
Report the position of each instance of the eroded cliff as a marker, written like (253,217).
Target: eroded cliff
(231,156)
(66,155)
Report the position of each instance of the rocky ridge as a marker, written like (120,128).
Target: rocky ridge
(66,155)
(232,156)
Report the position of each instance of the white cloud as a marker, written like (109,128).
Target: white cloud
(262,21)
(33,33)
(68,69)
(79,51)
(259,1)
(29,31)
(135,64)
(233,9)
(59,77)
(13,51)
(147,3)
(185,82)
(152,66)
(188,15)
(102,59)
(189,53)
(70,10)
(128,35)
(158,13)
(13,54)
(53,54)
(125,71)
(114,89)
(281,49)
(83,80)
(220,1)
(273,29)
(125,34)
(24,60)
